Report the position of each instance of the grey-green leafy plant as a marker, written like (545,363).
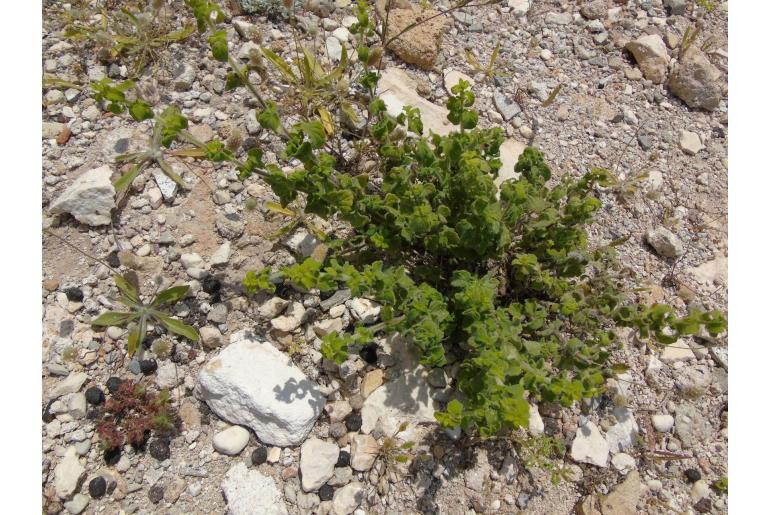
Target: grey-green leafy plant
(136,36)
(140,314)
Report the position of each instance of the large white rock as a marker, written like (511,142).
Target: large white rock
(590,446)
(90,198)
(406,399)
(68,474)
(253,384)
(316,462)
(248,492)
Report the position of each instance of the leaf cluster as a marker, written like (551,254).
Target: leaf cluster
(140,315)
(131,414)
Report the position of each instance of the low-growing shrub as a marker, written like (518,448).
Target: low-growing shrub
(499,278)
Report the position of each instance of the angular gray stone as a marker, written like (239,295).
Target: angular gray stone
(68,474)
(316,463)
(253,384)
(507,107)
(347,498)
(696,81)
(589,446)
(691,426)
(651,55)
(90,198)
(665,243)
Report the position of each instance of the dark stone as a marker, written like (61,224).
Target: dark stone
(645,141)
(156,494)
(74,294)
(211,285)
(160,450)
(94,396)
(522,500)
(353,421)
(343,460)
(703,506)
(113,383)
(66,327)
(121,145)
(326,492)
(113,260)
(249,143)
(47,415)
(97,487)
(692,475)
(148,366)
(369,353)
(112,456)
(259,456)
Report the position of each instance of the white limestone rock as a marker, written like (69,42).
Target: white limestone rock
(90,198)
(253,384)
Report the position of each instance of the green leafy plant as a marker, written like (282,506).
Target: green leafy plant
(140,314)
(131,414)
(489,70)
(136,36)
(500,275)
(543,452)
(720,485)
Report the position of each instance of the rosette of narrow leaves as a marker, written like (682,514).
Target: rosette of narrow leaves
(139,314)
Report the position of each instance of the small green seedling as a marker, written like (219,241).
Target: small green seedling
(489,70)
(720,485)
(140,314)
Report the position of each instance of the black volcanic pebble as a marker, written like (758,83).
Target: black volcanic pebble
(343,460)
(160,450)
(369,353)
(353,421)
(97,487)
(94,396)
(259,456)
(112,456)
(326,492)
(113,383)
(74,294)
(692,475)
(148,366)
(113,260)
(155,494)
(211,285)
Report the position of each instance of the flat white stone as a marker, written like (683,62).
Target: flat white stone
(590,446)
(90,198)
(316,463)
(248,492)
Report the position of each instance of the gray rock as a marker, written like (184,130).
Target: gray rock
(690,142)
(553,18)
(77,504)
(90,198)
(273,307)
(589,446)
(302,243)
(665,243)
(334,48)
(677,7)
(316,463)
(594,10)
(211,337)
(691,426)
(622,435)
(291,320)
(68,474)
(248,492)
(167,186)
(167,375)
(338,298)
(71,384)
(347,498)
(662,423)
(651,55)
(184,76)
(696,81)
(230,227)
(363,452)
(506,106)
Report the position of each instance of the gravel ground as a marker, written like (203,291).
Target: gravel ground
(606,114)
